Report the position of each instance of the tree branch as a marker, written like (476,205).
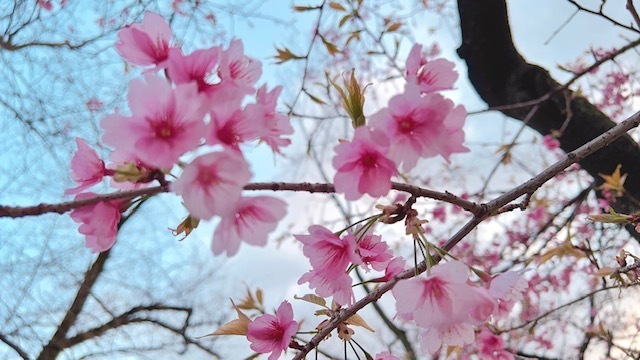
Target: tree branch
(61,208)
(14,346)
(56,344)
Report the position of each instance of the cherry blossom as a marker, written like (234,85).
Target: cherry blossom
(429,76)
(120,159)
(212,184)
(146,43)
(444,304)
(277,125)
(269,333)
(362,165)
(394,267)
(238,73)
(252,222)
(165,122)
(94,105)
(421,126)
(550,143)
(374,252)
(99,222)
(327,251)
(198,67)
(385,356)
(45,4)
(491,346)
(330,283)
(329,256)
(507,288)
(87,169)
(230,126)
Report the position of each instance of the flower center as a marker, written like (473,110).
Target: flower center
(369,160)
(164,128)
(406,125)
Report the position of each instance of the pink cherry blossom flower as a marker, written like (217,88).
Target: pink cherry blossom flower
(198,67)
(165,122)
(480,306)
(45,4)
(374,252)
(147,43)
(238,73)
(87,169)
(439,298)
(453,334)
(394,267)
(94,105)
(550,142)
(277,125)
(429,76)
(252,222)
(440,214)
(507,288)
(385,356)
(330,283)
(328,252)
(491,346)
(421,126)
(230,126)
(99,222)
(444,304)
(212,184)
(329,256)
(269,333)
(362,165)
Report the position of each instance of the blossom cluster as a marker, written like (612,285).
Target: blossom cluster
(444,303)
(419,123)
(192,113)
(186,103)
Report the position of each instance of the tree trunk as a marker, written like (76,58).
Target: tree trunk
(501,76)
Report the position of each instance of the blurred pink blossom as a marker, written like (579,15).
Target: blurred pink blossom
(251,223)
(212,184)
(87,169)
(99,222)
(146,43)
(429,75)
(550,142)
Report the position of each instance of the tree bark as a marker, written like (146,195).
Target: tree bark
(501,76)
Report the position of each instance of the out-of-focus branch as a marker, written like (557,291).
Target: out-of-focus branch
(56,344)
(14,346)
(133,316)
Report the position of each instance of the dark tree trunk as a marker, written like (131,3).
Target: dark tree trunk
(501,76)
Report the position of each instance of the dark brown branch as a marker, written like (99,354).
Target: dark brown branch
(128,317)
(55,345)
(61,208)
(14,346)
